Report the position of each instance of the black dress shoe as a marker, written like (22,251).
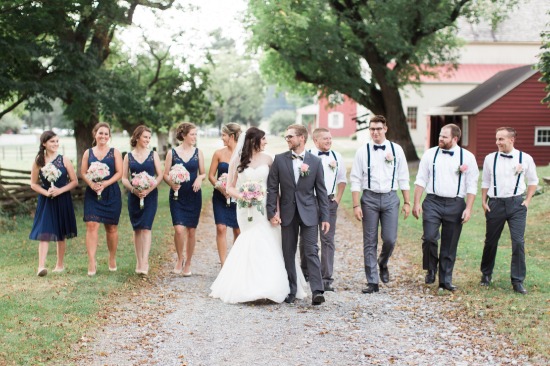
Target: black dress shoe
(329,288)
(518,287)
(317,299)
(384,274)
(371,287)
(290,299)
(448,287)
(485,280)
(430,276)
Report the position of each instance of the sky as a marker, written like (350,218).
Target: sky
(195,25)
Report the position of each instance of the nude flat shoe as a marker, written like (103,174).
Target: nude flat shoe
(113,269)
(187,274)
(58,270)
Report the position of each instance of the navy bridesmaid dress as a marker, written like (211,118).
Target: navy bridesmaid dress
(107,210)
(142,218)
(223,213)
(54,219)
(187,209)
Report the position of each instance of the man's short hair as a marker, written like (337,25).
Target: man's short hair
(455,130)
(511,131)
(301,130)
(378,119)
(316,132)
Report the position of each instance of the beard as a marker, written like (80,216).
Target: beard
(445,146)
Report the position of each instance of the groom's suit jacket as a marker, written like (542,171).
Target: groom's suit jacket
(297,196)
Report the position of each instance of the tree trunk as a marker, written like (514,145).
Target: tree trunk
(162,141)
(398,129)
(83,137)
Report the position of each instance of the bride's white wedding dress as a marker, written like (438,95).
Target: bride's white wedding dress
(254,269)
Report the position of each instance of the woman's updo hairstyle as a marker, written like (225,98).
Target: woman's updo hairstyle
(252,143)
(183,129)
(137,134)
(232,129)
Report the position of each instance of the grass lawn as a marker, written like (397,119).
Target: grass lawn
(40,318)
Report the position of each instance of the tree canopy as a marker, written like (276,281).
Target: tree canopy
(367,50)
(544,63)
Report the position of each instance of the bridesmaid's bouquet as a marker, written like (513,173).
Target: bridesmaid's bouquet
(222,183)
(253,194)
(96,173)
(178,174)
(51,173)
(141,182)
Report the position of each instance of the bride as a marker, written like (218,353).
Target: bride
(254,269)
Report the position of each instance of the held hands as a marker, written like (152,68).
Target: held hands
(275,220)
(53,192)
(176,187)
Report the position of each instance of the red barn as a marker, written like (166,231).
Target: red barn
(511,98)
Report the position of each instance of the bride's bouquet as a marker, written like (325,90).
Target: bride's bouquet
(141,182)
(222,183)
(97,172)
(178,174)
(51,173)
(253,194)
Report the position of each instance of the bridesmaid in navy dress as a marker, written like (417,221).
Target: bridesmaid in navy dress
(186,210)
(138,160)
(54,218)
(224,215)
(106,210)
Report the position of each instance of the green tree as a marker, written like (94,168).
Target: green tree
(237,88)
(58,49)
(367,50)
(544,63)
(280,120)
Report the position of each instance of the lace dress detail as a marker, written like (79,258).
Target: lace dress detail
(142,219)
(54,219)
(187,209)
(107,210)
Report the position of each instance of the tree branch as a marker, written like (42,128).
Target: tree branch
(14,105)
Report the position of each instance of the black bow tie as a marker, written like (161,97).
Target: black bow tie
(506,156)
(294,157)
(323,153)
(376,147)
(448,152)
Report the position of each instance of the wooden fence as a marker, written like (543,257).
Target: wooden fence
(16,193)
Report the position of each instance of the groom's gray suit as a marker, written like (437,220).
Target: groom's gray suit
(300,212)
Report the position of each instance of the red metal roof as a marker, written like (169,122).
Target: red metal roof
(467,73)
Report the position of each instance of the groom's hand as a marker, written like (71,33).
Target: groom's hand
(275,220)
(325,227)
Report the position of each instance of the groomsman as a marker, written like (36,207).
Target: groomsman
(448,173)
(335,182)
(379,169)
(503,181)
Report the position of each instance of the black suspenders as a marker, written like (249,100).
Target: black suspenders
(394,164)
(495,174)
(459,171)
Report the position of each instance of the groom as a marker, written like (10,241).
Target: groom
(298,176)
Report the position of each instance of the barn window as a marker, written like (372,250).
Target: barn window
(465,131)
(411,117)
(336,120)
(542,136)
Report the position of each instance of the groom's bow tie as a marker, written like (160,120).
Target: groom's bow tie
(376,147)
(451,153)
(323,153)
(506,156)
(295,156)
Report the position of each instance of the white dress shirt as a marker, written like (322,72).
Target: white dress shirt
(507,174)
(332,176)
(297,164)
(381,169)
(446,173)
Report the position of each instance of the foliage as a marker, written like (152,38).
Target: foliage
(366,50)
(10,123)
(544,62)
(237,89)
(280,120)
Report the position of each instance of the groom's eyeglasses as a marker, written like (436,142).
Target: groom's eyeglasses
(288,137)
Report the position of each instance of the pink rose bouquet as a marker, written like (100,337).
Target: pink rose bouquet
(97,171)
(389,158)
(333,165)
(304,170)
(142,181)
(253,194)
(178,174)
(51,173)
(462,169)
(222,183)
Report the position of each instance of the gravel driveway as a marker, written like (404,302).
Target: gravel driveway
(172,321)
